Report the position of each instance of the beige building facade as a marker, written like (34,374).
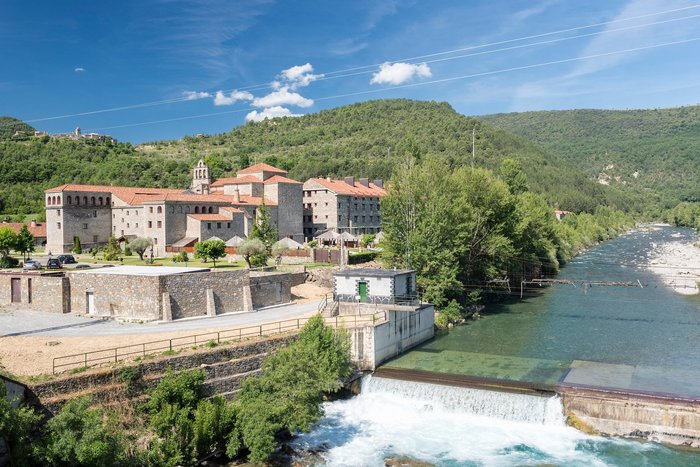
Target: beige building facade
(342,206)
(223,208)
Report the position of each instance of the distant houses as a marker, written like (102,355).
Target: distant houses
(37,229)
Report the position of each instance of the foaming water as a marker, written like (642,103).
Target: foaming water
(446,426)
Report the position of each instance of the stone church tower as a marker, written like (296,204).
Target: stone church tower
(201,180)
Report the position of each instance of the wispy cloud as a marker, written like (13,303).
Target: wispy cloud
(79,69)
(271,112)
(400,73)
(347,46)
(195,95)
(234,96)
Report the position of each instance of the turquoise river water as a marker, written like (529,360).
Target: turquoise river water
(641,339)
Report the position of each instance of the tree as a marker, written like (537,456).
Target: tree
(278,250)
(512,173)
(81,435)
(77,248)
(112,249)
(367,239)
(210,249)
(25,242)
(251,248)
(140,245)
(8,241)
(265,231)
(17,423)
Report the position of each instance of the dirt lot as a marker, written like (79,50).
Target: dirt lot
(33,355)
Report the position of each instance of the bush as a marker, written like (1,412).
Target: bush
(362,257)
(313,244)
(449,315)
(16,426)
(77,249)
(182,257)
(8,262)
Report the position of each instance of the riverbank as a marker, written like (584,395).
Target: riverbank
(677,263)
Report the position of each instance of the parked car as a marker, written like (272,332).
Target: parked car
(31,264)
(66,259)
(53,263)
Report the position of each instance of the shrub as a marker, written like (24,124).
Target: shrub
(182,257)
(362,257)
(77,249)
(16,425)
(8,262)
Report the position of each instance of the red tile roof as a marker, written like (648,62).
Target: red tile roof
(260,168)
(281,179)
(230,209)
(342,188)
(39,229)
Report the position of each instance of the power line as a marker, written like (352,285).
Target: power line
(437,81)
(343,72)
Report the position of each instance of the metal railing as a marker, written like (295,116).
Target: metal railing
(150,349)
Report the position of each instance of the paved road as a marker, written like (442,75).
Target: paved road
(34,323)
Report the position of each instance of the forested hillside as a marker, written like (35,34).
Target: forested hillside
(9,125)
(365,140)
(655,150)
(370,138)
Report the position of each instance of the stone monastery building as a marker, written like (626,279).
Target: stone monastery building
(173,218)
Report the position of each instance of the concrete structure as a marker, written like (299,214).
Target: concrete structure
(375,285)
(146,293)
(399,320)
(224,208)
(342,206)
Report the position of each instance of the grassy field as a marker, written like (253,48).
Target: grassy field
(135,261)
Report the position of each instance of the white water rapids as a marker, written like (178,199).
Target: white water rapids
(450,426)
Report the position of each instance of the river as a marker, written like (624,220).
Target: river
(633,338)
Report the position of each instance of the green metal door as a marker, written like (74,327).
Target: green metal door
(363,291)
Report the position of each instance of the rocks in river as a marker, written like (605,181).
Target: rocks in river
(678,265)
(404,461)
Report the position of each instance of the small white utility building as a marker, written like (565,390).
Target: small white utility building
(384,286)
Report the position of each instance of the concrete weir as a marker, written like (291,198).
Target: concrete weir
(663,418)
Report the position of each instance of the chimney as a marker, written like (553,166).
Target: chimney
(350,181)
(236,195)
(379,183)
(364,182)
(33,223)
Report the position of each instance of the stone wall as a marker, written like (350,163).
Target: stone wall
(39,291)
(267,289)
(116,295)
(660,419)
(188,292)
(290,213)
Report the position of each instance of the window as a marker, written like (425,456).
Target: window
(136,225)
(338,205)
(58,225)
(211,210)
(94,239)
(150,209)
(218,225)
(85,200)
(355,218)
(122,220)
(77,200)
(355,206)
(92,199)
(315,204)
(196,209)
(107,202)
(114,228)
(363,218)
(340,218)
(70,200)
(58,200)
(326,204)
(114,216)
(150,224)
(127,225)
(101,201)
(159,210)
(326,216)
(208,225)
(155,241)
(85,226)
(127,213)
(160,224)
(94,213)
(228,225)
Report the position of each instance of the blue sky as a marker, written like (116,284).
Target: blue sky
(211,65)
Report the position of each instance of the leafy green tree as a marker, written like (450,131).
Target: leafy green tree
(367,239)
(290,391)
(279,249)
(512,173)
(77,248)
(25,242)
(81,435)
(251,248)
(210,249)
(112,250)
(17,422)
(8,241)
(140,245)
(265,231)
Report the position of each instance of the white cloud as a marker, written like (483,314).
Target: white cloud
(222,99)
(399,73)
(194,95)
(270,112)
(282,97)
(79,70)
(297,76)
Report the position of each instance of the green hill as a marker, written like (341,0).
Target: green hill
(10,125)
(655,152)
(369,138)
(365,140)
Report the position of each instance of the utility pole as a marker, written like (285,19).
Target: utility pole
(473,145)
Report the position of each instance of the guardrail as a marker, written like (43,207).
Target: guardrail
(116,354)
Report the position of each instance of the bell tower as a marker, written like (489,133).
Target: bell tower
(201,181)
